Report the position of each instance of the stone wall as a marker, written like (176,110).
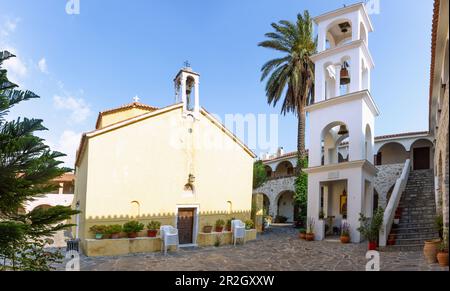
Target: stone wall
(441,154)
(385,179)
(273,188)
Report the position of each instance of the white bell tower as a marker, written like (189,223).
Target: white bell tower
(187,90)
(342,121)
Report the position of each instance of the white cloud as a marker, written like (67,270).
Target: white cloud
(67,144)
(42,64)
(9,27)
(80,110)
(17,69)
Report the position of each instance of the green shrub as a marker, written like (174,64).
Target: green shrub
(259,174)
(220,223)
(153,225)
(370,228)
(249,224)
(114,229)
(439,225)
(133,227)
(98,229)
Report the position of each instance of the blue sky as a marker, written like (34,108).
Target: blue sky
(114,50)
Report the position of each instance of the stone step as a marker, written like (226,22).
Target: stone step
(407,230)
(412,241)
(403,248)
(418,225)
(417,235)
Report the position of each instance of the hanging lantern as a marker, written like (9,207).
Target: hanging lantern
(343,130)
(345,76)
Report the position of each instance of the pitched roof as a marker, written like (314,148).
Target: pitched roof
(156,112)
(132,105)
(67,177)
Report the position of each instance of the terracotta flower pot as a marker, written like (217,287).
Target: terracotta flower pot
(345,239)
(430,250)
(207,229)
(115,236)
(132,235)
(302,236)
(442,259)
(373,246)
(152,232)
(310,236)
(219,229)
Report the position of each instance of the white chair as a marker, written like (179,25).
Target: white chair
(238,230)
(169,237)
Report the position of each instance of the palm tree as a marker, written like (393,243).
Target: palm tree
(292,75)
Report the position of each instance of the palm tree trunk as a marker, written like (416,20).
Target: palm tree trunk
(301,137)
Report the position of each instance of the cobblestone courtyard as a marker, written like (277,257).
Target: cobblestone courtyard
(277,250)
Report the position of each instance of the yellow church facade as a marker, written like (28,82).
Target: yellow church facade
(148,164)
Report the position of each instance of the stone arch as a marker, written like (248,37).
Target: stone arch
(368,145)
(286,205)
(331,77)
(331,138)
(334,31)
(285,168)
(391,153)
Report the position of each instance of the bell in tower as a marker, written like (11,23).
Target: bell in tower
(187,89)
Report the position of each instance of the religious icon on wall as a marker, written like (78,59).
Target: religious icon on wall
(343,205)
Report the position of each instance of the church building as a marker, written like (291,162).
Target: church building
(169,164)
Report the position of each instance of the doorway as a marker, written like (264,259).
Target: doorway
(421,158)
(185,225)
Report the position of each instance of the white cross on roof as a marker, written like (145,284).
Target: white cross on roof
(136,99)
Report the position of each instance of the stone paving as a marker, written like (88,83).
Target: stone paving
(277,250)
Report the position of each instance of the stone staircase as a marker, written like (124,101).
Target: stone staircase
(417,211)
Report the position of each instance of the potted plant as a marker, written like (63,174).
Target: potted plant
(370,228)
(310,236)
(345,233)
(207,228)
(114,230)
(430,250)
(302,233)
(249,224)
(98,230)
(152,228)
(442,255)
(220,223)
(228,225)
(132,228)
